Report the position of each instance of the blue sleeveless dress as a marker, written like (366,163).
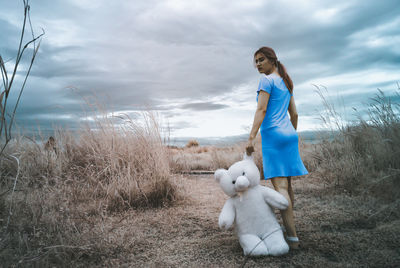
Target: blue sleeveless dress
(279,140)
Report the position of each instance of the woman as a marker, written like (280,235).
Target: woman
(279,140)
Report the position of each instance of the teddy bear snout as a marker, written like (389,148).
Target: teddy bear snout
(242,183)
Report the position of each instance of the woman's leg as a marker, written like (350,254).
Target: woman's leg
(290,190)
(281,184)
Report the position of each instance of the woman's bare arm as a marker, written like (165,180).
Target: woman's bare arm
(293,112)
(262,104)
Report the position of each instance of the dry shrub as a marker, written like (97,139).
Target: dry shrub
(363,156)
(129,164)
(110,165)
(192,143)
(119,160)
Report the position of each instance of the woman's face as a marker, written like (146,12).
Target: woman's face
(263,65)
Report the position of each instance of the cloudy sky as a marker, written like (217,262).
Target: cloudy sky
(192,61)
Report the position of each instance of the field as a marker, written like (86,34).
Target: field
(118,197)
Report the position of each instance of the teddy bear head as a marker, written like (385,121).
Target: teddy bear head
(239,177)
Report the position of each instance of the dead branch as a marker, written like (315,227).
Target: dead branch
(6,120)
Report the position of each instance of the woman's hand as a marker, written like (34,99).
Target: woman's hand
(250,147)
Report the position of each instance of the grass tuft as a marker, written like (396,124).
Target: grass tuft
(112,164)
(362,156)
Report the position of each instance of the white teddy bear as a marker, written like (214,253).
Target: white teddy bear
(249,207)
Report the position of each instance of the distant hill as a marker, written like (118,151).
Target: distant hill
(306,136)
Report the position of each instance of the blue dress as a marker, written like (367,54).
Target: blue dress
(279,140)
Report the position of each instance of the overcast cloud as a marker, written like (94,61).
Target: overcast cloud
(191,61)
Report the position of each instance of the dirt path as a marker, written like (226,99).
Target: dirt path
(332,232)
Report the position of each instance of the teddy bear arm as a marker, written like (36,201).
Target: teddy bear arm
(274,199)
(227,215)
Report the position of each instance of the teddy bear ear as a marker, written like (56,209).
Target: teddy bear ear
(248,157)
(219,173)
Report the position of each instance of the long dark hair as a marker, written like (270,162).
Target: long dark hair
(269,53)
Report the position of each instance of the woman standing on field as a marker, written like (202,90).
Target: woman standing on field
(279,140)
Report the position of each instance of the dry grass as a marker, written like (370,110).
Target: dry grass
(123,165)
(209,158)
(336,230)
(202,158)
(192,143)
(106,198)
(363,157)
(106,168)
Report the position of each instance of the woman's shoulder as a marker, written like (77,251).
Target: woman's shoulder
(271,77)
(266,83)
(267,78)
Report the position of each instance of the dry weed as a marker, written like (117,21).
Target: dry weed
(109,166)
(363,155)
(192,143)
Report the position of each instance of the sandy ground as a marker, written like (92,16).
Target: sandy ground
(332,232)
